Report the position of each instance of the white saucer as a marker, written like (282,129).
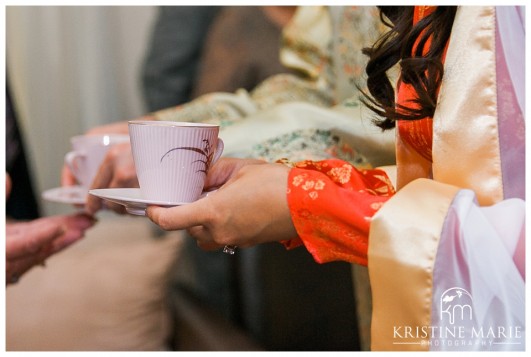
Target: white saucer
(75,195)
(131,199)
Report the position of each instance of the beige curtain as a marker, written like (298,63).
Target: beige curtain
(71,68)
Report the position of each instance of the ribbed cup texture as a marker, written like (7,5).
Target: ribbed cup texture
(171,161)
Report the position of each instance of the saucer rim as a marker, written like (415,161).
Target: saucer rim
(101,193)
(48,195)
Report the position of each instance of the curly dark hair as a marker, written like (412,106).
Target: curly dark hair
(423,72)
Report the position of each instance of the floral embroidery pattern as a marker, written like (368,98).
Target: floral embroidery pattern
(332,204)
(310,185)
(297,180)
(341,174)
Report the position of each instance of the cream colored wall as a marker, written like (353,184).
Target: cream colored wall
(70,68)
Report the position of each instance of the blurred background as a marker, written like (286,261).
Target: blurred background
(70,68)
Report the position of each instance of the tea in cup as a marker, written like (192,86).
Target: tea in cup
(172,159)
(88,152)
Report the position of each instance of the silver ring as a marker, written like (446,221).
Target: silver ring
(229,249)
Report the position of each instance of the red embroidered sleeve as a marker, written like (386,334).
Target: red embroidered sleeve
(331,204)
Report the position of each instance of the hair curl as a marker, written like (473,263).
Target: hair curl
(423,71)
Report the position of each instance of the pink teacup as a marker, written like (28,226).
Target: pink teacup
(88,152)
(172,159)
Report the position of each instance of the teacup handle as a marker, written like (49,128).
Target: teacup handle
(71,159)
(219,151)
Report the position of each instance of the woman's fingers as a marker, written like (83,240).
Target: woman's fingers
(27,238)
(30,243)
(102,180)
(203,238)
(17,267)
(180,217)
(67,177)
(116,171)
(223,170)
(123,168)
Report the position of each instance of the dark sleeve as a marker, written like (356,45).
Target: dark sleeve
(22,202)
(173,54)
